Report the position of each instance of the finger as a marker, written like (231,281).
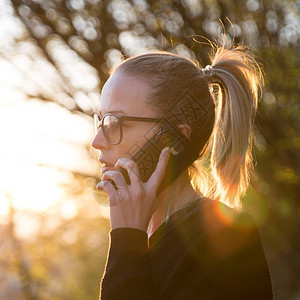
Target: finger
(113,196)
(107,186)
(159,172)
(131,167)
(116,176)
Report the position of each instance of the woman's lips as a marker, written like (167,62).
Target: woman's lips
(106,165)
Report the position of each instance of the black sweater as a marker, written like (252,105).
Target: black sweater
(205,251)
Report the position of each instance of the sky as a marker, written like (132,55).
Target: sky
(41,142)
(39,139)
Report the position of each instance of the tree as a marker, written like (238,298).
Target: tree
(78,42)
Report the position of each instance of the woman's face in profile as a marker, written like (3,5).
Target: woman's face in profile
(124,95)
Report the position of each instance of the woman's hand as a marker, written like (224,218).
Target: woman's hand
(133,205)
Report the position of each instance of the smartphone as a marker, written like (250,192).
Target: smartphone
(183,153)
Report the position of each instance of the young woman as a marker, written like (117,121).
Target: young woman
(191,240)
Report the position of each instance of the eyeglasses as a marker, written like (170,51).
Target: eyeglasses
(111,125)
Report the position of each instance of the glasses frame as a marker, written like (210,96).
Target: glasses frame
(121,119)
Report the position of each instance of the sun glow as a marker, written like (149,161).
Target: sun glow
(40,142)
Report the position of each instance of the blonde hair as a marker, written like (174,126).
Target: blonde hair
(225,130)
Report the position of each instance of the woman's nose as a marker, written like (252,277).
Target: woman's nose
(99,141)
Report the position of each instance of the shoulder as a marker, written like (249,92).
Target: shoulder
(218,215)
(225,249)
(224,231)
(229,244)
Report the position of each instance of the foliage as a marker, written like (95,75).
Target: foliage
(63,257)
(77,37)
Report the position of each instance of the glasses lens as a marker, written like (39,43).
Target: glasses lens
(112,129)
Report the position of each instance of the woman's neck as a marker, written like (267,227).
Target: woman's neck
(180,193)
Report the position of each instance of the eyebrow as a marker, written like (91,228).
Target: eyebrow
(113,111)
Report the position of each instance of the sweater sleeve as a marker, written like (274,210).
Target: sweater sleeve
(127,273)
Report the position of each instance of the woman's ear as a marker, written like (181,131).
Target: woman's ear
(185,129)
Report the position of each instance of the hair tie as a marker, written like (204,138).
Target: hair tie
(207,71)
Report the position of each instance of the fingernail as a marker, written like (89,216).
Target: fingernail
(99,186)
(167,151)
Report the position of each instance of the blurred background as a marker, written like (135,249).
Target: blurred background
(54,59)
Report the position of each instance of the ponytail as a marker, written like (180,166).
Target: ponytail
(238,78)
